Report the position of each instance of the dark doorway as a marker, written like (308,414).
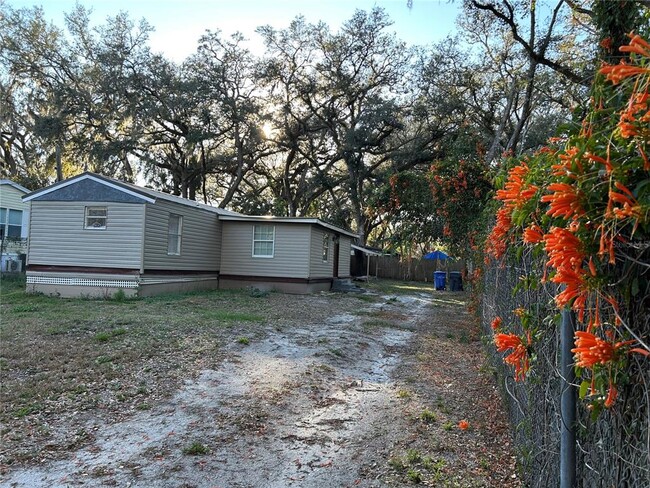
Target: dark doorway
(336,257)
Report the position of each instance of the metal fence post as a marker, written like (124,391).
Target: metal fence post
(567,403)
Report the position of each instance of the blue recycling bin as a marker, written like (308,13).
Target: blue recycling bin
(455,281)
(439,279)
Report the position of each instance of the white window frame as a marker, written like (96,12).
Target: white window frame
(5,223)
(272,241)
(86,217)
(178,235)
(326,248)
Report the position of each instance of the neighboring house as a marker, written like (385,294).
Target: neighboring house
(14,225)
(93,235)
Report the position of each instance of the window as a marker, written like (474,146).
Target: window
(263,241)
(326,247)
(96,217)
(11,222)
(174,234)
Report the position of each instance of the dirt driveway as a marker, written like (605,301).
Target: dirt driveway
(341,392)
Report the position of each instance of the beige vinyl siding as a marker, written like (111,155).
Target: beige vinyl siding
(345,247)
(200,239)
(58,237)
(11,198)
(318,268)
(290,258)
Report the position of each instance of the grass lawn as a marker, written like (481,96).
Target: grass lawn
(60,355)
(75,374)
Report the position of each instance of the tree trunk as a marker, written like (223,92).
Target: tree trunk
(502,123)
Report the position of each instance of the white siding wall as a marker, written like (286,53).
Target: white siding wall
(345,247)
(58,237)
(10,197)
(290,257)
(200,241)
(318,267)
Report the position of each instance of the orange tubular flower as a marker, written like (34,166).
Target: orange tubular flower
(618,72)
(463,425)
(496,244)
(636,113)
(637,45)
(575,289)
(519,355)
(533,234)
(646,161)
(564,249)
(567,257)
(630,206)
(591,350)
(564,202)
(496,324)
(516,192)
(606,162)
(611,395)
(568,159)
(606,244)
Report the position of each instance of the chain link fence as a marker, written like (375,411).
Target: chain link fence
(612,449)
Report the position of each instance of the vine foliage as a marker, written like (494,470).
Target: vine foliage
(583,204)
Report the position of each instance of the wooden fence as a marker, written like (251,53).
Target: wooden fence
(393,267)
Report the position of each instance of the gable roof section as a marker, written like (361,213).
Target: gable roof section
(88,184)
(15,185)
(287,220)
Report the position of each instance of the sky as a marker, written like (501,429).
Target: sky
(179,24)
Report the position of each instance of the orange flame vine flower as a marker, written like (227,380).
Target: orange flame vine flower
(496,323)
(637,45)
(564,202)
(636,113)
(533,234)
(618,72)
(569,163)
(519,355)
(612,393)
(630,206)
(496,244)
(591,350)
(516,192)
(564,249)
(566,255)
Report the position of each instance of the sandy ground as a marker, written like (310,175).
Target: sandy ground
(334,403)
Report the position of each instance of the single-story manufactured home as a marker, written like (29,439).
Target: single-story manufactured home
(92,236)
(14,226)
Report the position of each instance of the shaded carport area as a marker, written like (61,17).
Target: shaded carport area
(360,261)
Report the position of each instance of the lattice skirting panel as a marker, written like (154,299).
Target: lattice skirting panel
(49,280)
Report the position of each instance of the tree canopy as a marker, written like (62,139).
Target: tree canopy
(325,122)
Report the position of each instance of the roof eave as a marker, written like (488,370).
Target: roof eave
(287,220)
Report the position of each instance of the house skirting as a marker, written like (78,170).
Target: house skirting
(105,283)
(276,283)
(158,285)
(65,281)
